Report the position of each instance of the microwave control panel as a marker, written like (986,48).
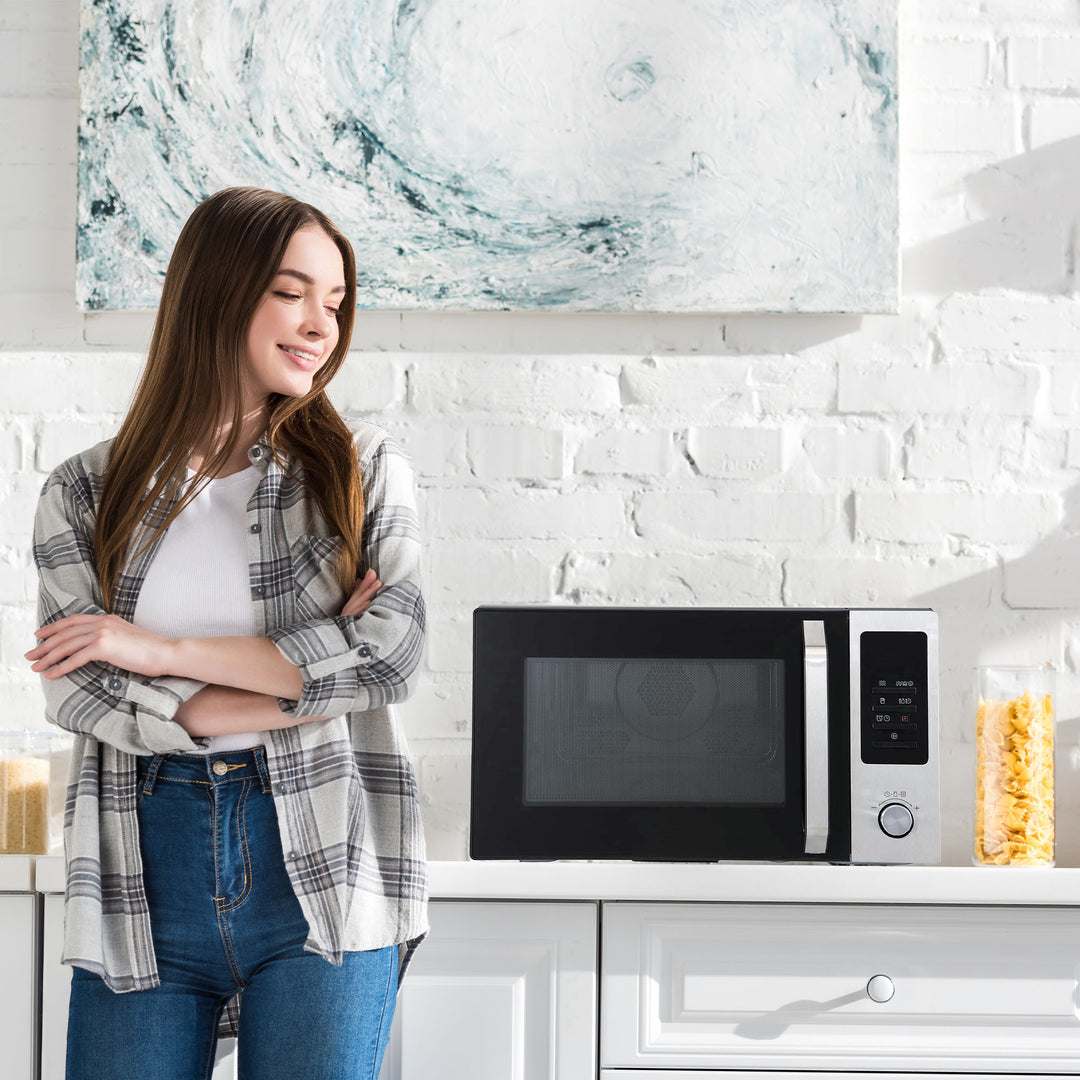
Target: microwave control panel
(895,814)
(894,698)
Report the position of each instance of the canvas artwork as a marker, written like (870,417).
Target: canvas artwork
(577,155)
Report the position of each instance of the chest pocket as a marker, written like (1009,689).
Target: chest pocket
(314,562)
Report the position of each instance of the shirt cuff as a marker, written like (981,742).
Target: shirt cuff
(328,654)
(155,707)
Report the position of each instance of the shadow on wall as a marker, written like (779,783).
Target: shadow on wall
(1041,594)
(1028,238)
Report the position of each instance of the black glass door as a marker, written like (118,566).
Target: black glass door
(643,733)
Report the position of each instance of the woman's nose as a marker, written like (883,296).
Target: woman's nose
(317,324)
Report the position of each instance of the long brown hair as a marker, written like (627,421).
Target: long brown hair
(225,258)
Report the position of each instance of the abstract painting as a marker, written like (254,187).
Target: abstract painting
(575,155)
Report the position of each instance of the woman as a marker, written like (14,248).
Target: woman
(230,607)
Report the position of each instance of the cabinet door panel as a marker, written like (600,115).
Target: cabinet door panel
(773,986)
(55,984)
(18,987)
(499,991)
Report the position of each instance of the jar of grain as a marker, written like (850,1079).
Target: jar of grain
(1014,778)
(26,804)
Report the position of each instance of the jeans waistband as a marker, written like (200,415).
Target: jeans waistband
(210,769)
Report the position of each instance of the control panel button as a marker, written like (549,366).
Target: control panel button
(886,699)
(896,820)
(896,700)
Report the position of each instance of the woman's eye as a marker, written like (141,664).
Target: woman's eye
(287,295)
(333,311)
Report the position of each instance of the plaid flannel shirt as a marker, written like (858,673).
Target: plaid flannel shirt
(344,788)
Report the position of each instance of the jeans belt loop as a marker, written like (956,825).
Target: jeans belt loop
(264,772)
(151,774)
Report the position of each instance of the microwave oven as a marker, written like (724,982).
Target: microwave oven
(696,734)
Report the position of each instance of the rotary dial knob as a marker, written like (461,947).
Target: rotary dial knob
(896,820)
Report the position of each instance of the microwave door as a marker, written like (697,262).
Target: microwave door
(816,754)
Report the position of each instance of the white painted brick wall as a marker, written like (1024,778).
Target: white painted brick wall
(950,452)
(1043,63)
(518,452)
(626,452)
(907,515)
(741,451)
(927,458)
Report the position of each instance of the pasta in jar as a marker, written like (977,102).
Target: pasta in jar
(1014,796)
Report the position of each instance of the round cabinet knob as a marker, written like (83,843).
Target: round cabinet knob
(896,820)
(880,988)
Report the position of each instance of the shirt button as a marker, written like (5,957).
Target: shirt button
(283,789)
(258,590)
(220,768)
(256,527)
(116,684)
(364,652)
(256,451)
(293,856)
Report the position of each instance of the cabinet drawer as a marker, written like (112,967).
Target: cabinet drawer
(770,986)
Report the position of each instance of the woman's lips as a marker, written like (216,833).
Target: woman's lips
(305,360)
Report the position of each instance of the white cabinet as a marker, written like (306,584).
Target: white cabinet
(19,984)
(500,991)
(646,972)
(55,982)
(788,986)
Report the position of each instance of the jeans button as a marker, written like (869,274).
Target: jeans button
(219,768)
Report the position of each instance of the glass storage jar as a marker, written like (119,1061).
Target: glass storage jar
(1014,776)
(32,779)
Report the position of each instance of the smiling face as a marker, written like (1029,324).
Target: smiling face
(295,327)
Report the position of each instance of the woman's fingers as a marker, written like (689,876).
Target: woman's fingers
(58,645)
(363,593)
(75,640)
(64,625)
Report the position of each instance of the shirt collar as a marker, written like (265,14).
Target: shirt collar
(260,453)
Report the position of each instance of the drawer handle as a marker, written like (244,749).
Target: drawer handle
(880,988)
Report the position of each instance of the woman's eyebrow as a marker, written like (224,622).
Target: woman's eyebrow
(307,279)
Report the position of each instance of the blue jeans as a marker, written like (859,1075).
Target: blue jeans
(224,918)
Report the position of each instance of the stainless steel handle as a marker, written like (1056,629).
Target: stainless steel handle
(816,680)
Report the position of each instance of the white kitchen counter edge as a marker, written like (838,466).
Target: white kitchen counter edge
(730,882)
(17,873)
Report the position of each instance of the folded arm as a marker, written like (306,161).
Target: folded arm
(350,664)
(131,711)
(145,693)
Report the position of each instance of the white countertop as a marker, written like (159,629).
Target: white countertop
(17,873)
(752,882)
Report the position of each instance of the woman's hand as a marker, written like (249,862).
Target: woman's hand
(75,640)
(363,593)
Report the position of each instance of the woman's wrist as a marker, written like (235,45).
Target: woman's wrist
(223,710)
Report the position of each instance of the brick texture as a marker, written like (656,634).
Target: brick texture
(927,458)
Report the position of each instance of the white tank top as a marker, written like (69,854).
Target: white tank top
(197,584)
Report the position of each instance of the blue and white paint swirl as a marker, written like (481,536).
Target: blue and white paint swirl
(605,155)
